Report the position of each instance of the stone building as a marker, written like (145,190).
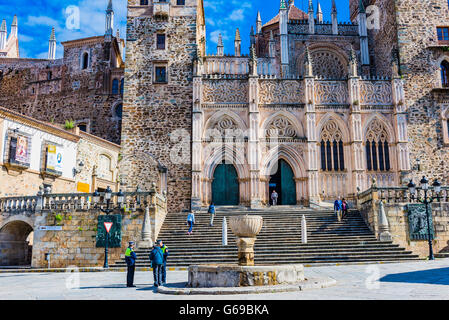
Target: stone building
(416,32)
(304,113)
(85,86)
(37,156)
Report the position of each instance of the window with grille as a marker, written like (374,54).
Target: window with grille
(332,151)
(160,74)
(161,41)
(377,148)
(143,2)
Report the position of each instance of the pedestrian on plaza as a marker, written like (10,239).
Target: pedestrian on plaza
(274,198)
(164,249)
(338,207)
(130,258)
(157,260)
(344,207)
(190,222)
(211,210)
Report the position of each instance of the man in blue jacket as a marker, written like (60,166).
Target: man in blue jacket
(130,258)
(164,249)
(157,260)
(338,206)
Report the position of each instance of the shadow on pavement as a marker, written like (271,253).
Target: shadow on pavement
(112,286)
(432,276)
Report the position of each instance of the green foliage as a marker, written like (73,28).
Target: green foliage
(80,229)
(69,124)
(356,102)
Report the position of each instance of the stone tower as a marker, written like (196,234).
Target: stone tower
(163,41)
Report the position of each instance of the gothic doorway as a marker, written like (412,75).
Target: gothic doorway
(283,181)
(225,186)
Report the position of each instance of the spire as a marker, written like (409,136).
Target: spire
(271,45)
(353,71)
(259,23)
(220,47)
(237,43)
(14,28)
(361,7)
(52,45)
(109,27)
(308,65)
(3,33)
(319,13)
(334,7)
(283,5)
(311,7)
(253,61)
(311,19)
(252,36)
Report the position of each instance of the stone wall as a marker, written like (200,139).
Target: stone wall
(58,90)
(157,117)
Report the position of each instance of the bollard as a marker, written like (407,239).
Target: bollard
(304,229)
(224,231)
(47,258)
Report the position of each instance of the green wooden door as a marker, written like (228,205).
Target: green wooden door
(288,189)
(225,186)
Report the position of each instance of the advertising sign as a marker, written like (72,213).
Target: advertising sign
(54,158)
(22,149)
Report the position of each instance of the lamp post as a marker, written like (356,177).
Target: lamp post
(107,196)
(426,201)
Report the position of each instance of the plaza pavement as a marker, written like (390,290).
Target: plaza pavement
(427,280)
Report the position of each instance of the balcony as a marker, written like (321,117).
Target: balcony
(161,9)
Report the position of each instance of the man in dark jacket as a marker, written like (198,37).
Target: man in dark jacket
(164,249)
(157,260)
(130,258)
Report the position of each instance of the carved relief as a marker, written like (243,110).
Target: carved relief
(376,92)
(225,91)
(271,92)
(331,132)
(281,127)
(326,64)
(331,92)
(377,132)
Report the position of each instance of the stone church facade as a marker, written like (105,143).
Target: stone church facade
(85,86)
(303,113)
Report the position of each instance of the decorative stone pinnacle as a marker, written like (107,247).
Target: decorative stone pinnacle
(3,26)
(334,7)
(310,6)
(237,35)
(110,9)
(14,21)
(259,19)
(52,35)
(361,7)
(283,5)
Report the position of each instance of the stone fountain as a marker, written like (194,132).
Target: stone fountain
(246,228)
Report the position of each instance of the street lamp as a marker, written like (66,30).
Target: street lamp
(426,201)
(107,196)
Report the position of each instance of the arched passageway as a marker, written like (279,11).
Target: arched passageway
(283,181)
(16,244)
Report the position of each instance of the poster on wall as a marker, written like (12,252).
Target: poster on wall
(54,158)
(22,149)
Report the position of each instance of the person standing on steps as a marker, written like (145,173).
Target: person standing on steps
(190,222)
(130,258)
(212,213)
(274,198)
(337,208)
(344,208)
(164,265)
(157,260)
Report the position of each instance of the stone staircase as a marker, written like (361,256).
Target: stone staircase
(279,242)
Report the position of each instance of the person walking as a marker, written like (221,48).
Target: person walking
(164,249)
(337,208)
(190,222)
(157,260)
(211,210)
(344,208)
(274,198)
(130,258)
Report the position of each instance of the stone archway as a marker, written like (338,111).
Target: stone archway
(16,244)
(283,182)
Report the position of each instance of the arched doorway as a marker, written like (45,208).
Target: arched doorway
(225,186)
(283,181)
(16,244)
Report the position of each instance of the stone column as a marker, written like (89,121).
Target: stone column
(197,129)
(146,241)
(356,138)
(400,127)
(312,147)
(253,143)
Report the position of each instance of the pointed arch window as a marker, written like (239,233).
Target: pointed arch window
(377,147)
(444,74)
(85,61)
(332,151)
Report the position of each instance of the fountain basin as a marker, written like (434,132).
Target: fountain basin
(209,276)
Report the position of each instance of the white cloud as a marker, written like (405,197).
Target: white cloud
(41,21)
(214,36)
(237,15)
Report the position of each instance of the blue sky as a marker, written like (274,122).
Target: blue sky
(36,18)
